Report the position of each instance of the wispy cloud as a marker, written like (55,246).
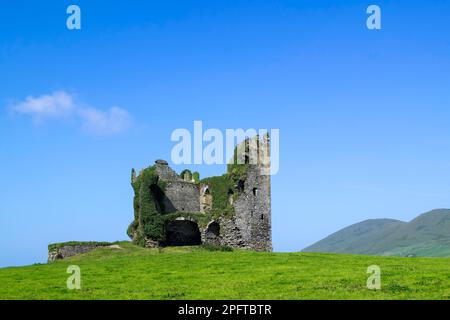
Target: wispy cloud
(113,121)
(61,104)
(56,105)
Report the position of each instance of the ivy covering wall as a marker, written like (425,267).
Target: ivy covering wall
(150,218)
(148,207)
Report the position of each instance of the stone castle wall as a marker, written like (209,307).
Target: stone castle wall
(253,211)
(249,226)
(70,250)
(182,196)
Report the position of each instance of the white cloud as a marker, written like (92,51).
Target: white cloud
(115,120)
(61,104)
(56,105)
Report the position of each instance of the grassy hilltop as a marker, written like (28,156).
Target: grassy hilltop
(428,235)
(196,273)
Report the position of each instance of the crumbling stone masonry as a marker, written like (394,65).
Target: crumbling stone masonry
(59,251)
(233,209)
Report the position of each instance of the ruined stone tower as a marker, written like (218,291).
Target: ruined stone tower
(180,209)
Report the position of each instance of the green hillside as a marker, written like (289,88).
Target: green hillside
(426,236)
(197,273)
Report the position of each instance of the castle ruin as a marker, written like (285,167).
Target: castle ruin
(232,210)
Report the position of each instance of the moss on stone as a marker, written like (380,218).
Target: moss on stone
(236,170)
(148,206)
(200,218)
(54,246)
(220,188)
(196,177)
(150,218)
(186,175)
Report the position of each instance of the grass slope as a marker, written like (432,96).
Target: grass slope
(427,236)
(358,238)
(195,273)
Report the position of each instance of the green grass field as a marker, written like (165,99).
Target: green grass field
(195,273)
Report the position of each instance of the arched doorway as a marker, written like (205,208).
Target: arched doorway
(212,234)
(182,233)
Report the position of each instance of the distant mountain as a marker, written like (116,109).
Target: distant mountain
(428,235)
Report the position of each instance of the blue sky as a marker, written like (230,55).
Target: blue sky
(363,115)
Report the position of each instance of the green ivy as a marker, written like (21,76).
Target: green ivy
(235,170)
(148,221)
(186,173)
(150,218)
(196,177)
(220,188)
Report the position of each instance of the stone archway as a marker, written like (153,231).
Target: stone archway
(182,233)
(206,199)
(212,233)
